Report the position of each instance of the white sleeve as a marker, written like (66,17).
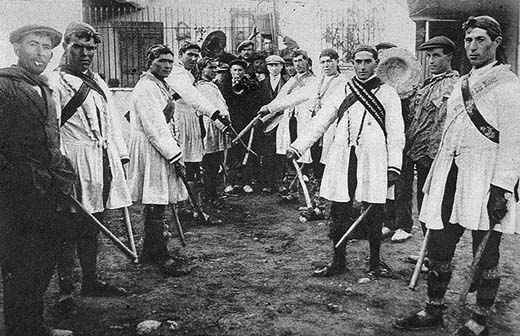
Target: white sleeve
(394,125)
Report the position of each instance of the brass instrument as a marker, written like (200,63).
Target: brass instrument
(400,69)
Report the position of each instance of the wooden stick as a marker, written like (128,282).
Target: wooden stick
(122,247)
(246,129)
(180,230)
(295,178)
(249,145)
(129,230)
(420,261)
(354,225)
(470,274)
(308,201)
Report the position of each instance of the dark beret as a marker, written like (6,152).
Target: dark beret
(244,44)
(438,42)
(329,52)
(19,33)
(485,22)
(238,61)
(385,45)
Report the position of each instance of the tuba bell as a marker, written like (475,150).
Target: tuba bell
(400,69)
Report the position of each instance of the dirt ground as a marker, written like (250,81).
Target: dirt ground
(251,276)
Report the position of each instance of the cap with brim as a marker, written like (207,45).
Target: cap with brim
(244,44)
(19,33)
(330,53)
(239,62)
(438,42)
(223,67)
(274,59)
(384,45)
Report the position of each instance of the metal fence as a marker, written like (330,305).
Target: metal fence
(127,32)
(346,27)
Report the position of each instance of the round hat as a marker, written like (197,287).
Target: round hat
(19,33)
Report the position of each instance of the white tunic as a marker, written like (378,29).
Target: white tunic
(83,139)
(298,101)
(215,140)
(480,162)
(187,111)
(151,176)
(375,154)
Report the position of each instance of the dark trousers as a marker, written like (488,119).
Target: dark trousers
(82,236)
(422,173)
(341,217)
(211,164)
(398,212)
(31,241)
(270,173)
(155,245)
(317,166)
(442,245)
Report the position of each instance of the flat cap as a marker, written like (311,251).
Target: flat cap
(81,28)
(19,33)
(385,45)
(330,53)
(222,67)
(244,44)
(238,61)
(274,59)
(438,42)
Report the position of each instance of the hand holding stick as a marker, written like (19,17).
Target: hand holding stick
(420,261)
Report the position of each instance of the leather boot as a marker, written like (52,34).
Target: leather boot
(429,317)
(155,248)
(337,266)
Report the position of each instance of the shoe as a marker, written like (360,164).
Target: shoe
(169,269)
(329,270)
(400,236)
(386,232)
(61,332)
(247,189)
(472,328)
(229,189)
(100,288)
(419,321)
(379,270)
(66,306)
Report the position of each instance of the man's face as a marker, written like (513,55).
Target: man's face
(189,58)
(162,66)
(329,66)
(438,61)
(480,49)
(34,52)
(237,72)
(267,45)
(80,52)
(246,52)
(364,64)
(274,68)
(301,65)
(289,67)
(208,72)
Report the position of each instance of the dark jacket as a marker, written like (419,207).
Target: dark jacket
(30,157)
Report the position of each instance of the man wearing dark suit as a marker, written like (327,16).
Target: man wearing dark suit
(34,176)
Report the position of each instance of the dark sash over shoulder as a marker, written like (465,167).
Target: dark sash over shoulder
(474,114)
(363,92)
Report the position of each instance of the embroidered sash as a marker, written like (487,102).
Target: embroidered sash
(363,92)
(474,114)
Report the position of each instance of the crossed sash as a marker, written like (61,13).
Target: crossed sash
(363,92)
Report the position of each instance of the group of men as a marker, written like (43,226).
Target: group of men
(61,139)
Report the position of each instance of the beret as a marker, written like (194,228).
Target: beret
(330,53)
(82,28)
(238,61)
(19,33)
(385,45)
(188,45)
(273,59)
(244,44)
(438,42)
(485,22)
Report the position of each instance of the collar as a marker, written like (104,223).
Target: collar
(366,80)
(482,70)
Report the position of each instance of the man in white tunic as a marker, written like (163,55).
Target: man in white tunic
(473,180)
(364,158)
(91,138)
